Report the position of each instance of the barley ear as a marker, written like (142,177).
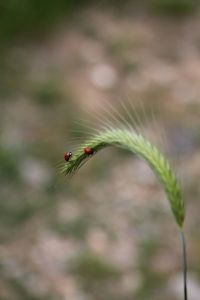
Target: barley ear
(136,143)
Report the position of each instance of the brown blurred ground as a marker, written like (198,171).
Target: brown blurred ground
(108,233)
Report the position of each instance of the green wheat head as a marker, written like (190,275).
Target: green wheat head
(128,139)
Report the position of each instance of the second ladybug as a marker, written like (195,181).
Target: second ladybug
(88,150)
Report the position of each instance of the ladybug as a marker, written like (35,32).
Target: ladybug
(67,155)
(88,150)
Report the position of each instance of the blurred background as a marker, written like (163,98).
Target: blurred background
(108,233)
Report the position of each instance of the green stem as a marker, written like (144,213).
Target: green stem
(184,264)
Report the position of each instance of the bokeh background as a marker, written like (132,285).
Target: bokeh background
(108,233)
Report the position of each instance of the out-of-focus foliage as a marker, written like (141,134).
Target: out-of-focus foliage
(21,17)
(91,267)
(29,18)
(9,165)
(174,7)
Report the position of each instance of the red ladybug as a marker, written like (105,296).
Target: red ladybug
(67,155)
(88,150)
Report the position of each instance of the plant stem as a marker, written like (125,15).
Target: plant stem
(184,264)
